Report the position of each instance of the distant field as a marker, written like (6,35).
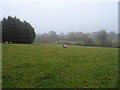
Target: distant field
(51,66)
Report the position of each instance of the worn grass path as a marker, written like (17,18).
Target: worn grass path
(51,66)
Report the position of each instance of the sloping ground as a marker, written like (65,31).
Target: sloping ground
(51,66)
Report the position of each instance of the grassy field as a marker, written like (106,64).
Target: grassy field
(51,66)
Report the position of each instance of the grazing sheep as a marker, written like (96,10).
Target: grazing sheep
(6,42)
(64,46)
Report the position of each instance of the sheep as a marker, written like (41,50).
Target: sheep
(6,42)
(64,46)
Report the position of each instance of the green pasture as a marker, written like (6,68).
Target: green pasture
(52,66)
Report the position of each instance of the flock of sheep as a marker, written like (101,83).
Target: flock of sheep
(8,42)
(64,45)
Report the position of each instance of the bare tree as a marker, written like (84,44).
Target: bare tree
(102,37)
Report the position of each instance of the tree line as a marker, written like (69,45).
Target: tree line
(16,31)
(99,38)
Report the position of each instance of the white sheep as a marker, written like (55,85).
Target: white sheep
(64,46)
(6,42)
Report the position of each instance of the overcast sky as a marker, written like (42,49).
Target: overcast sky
(65,16)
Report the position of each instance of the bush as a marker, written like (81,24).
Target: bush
(16,31)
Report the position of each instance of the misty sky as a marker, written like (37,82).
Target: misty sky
(66,16)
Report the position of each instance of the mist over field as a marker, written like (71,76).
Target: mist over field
(59,44)
(65,17)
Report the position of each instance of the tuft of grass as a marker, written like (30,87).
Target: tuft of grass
(52,66)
